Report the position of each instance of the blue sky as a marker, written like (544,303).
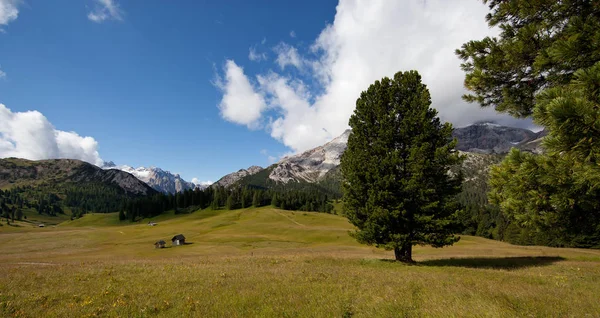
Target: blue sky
(204,88)
(141,86)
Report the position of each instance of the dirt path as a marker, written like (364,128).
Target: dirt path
(287,217)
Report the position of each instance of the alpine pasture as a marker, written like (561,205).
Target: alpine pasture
(275,263)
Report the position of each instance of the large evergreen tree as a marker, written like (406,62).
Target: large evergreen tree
(558,192)
(397,187)
(544,65)
(542,43)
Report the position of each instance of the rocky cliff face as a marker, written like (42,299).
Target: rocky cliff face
(64,171)
(160,180)
(491,138)
(481,142)
(234,177)
(311,165)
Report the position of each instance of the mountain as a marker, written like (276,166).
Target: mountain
(160,180)
(534,145)
(56,173)
(482,142)
(488,137)
(234,177)
(312,165)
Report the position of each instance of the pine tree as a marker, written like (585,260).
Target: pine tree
(557,192)
(256,199)
(397,189)
(230,205)
(542,44)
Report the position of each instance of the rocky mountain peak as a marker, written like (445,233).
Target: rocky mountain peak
(311,165)
(489,137)
(234,177)
(157,178)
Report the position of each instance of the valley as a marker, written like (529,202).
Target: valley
(270,262)
(300,158)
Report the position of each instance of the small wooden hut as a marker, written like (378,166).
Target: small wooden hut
(178,239)
(160,244)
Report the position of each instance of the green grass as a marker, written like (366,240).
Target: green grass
(274,263)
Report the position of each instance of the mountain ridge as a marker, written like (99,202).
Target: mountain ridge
(157,178)
(23,172)
(320,165)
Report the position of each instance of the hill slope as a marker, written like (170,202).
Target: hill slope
(51,191)
(22,172)
(268,262)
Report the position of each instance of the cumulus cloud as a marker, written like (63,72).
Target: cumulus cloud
(288,55)
(196,181)
(255,56)
(367,41)
(240,104)
(9,12)
(31,136)
(105,10)
(2,74)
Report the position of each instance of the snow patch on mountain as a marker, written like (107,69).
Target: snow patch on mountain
(158,179)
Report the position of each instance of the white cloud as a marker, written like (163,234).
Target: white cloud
(367,41)
(240,104)
(2,74)
(31,136)
(196,181)
(288,55)
(255,56)
(105,10)
(9,12)
(292,34)
(271,159)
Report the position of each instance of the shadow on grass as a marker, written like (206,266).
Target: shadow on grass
(495,262)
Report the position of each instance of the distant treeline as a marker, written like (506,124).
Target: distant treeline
(230,199)
(54,199)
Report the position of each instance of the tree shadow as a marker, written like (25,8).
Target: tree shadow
(495,262)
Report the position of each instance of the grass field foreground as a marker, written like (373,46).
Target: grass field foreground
(268,262)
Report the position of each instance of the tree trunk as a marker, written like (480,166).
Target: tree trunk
(404,254)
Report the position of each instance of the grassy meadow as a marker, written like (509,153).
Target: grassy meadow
(274,263)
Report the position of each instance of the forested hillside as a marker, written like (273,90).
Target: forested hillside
(63,187)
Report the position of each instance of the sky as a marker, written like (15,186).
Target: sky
(205,88)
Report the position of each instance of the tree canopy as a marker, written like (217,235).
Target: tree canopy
(558,192)
(542,44)
(546,65)
(397,187)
